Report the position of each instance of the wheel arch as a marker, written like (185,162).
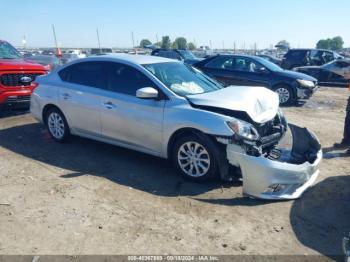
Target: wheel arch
(182,132)
(46,108)
(220,151)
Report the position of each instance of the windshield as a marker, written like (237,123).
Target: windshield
(183,79)
(269,65)
(7,51)
(187,54)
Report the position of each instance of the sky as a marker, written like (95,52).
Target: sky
(219,22)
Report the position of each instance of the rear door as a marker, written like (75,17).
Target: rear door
(79,96)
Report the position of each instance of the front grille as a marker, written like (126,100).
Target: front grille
(17,99)
(15,79)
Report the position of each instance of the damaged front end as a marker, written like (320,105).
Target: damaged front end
(272,168)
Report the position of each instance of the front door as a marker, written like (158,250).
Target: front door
(124,117)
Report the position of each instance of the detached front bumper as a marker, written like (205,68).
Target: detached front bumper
(284,177)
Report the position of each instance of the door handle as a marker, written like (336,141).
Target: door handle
(65,96)
(109,105)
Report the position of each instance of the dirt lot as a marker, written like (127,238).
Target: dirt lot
(86,197)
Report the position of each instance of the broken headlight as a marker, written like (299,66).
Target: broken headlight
(243,129)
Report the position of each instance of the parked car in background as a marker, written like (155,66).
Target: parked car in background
(169,109)
(336,72)
(48,52)
(100,51)
(207,51)
(272,59)
(182,55)
(77,52)
(308,57)
(243,70)
(68,57)
(16,77)
(50,62)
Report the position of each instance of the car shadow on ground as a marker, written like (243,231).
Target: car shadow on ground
(237,201)
(321,218)
(87,157)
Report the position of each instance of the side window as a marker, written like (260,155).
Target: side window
(247,65)
(328,57)
(316,57)
(161,53)
(87,73)
(220,62)
(125,79)
(174,55)
(295,54)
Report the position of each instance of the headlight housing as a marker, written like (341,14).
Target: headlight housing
(243,129)
(306,83)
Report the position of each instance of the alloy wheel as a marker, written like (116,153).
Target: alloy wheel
(56,125)
(283,94)
(193,159)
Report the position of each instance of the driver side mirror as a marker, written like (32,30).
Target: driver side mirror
(147,93)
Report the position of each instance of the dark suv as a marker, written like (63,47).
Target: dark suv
(306,57)
(183,55)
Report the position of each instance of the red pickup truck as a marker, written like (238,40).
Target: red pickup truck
(16,77)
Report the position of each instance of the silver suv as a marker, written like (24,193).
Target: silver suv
(171,110)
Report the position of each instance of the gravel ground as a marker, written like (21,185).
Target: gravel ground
(85,197)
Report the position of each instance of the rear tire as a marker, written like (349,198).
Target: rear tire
(57,125)
(196,157)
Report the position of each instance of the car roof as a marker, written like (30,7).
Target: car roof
(134,59)
(238,55)
(308,49)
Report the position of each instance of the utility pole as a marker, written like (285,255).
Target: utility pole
(24,42)
(157,38)
(98,40)
(54,35)
(255,48)
(223,45)
(234,47)
(211,46)
(132,38)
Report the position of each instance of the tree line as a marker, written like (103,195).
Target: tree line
(335,43)
(166,43)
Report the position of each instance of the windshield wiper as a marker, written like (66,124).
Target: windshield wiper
(6,57)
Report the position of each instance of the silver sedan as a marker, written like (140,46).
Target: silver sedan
(169,109)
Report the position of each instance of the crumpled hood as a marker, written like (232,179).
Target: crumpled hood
(261,104)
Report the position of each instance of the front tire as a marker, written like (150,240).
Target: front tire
(285,94)
(57,125)
(195,157)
